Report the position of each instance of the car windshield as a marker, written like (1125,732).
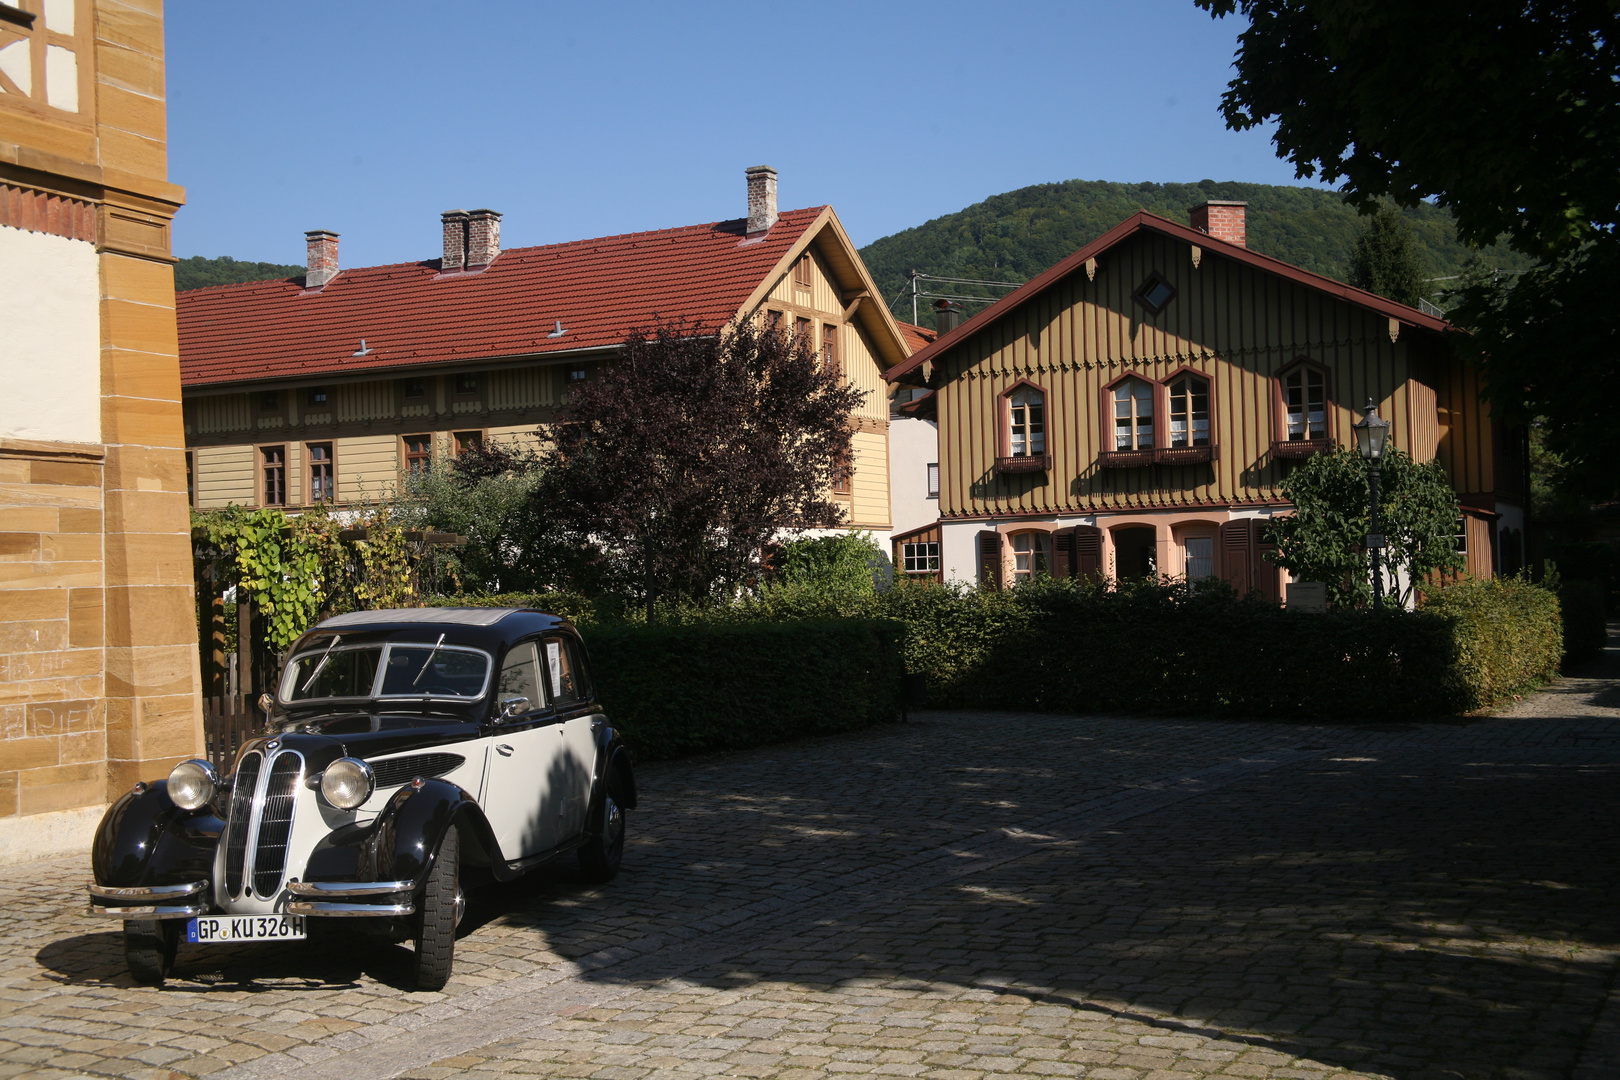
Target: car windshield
(392,670)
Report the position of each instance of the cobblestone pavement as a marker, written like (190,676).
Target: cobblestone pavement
(966,895)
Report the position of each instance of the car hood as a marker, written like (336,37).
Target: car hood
(374,734)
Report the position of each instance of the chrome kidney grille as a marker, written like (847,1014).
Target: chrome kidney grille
(260,825)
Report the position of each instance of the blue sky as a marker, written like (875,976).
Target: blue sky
(586,119)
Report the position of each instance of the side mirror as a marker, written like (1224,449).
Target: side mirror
(514,706)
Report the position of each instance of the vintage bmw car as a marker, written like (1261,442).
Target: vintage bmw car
(405,754)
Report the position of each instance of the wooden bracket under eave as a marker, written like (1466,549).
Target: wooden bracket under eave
(1198,255)
(1091,269)
(1394,330)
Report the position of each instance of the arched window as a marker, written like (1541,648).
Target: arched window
(1189,411)
(1026,415)
(1133,415)
(1032,555)
(1305,404)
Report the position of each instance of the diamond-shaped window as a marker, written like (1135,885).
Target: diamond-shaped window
(1155,293)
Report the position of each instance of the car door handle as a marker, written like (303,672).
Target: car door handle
(503,749)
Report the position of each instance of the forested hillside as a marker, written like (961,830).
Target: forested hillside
(1014,236)
(196,272)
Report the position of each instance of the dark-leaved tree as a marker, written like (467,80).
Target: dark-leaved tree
(674,468)
(1323,539)
(1385,258)
(1507,112)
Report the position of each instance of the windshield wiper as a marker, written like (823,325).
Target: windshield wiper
(324,657)
(428,661)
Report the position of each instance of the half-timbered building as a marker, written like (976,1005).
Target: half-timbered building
(1135,409)
(331,387)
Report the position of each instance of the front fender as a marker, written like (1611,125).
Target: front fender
(413,824)
(144,839)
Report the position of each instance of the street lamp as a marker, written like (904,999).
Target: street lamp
(1371,435)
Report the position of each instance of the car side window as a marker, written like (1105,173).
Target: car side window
(520,676)
(565,678)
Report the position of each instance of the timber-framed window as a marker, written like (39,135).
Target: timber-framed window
(322,472)
(418,451)
(842,473)
(468,384)
(801,271)
(920,557)
(829,350)
(1133,414)
(1304,403)
(1155,293)
(1198,557)
(1023,430)
(463,441)
(1189,411)
(272,476)
(1032,555)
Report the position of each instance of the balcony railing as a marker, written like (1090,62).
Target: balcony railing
(1185,455)
(1300,448)
(1124,459)
(1027,463)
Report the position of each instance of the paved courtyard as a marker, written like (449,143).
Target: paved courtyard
(965,895)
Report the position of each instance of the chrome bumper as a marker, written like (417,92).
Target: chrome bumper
(336,899)
(149,901)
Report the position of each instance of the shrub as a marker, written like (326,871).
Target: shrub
(1509,636)
(574,607)
(678,690)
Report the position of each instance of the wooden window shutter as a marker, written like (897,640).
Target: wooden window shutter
(1063,553)
(1267,574)
(1237,555)
(1087,551)
(990,559)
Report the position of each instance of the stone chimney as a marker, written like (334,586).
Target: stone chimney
(455,240)
(321,248)
(761,199)
(1223,219)
(483,238)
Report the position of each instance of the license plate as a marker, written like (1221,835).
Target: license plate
(226,929)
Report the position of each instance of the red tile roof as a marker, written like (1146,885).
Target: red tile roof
(1144,220)
(917,337)
(410,315)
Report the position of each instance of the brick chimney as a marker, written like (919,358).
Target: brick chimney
(1223,219)
(321,248)
(761,199)
(483,238)
(455,240)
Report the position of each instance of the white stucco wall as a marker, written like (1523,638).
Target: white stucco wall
(913,444)
(50,338)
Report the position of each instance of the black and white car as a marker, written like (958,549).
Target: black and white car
(406,752)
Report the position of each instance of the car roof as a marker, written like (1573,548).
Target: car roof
(489,628)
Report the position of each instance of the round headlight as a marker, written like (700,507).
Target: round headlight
(192,784)
(347,783)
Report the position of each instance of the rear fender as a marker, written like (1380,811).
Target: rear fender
(611,754)
(144,839)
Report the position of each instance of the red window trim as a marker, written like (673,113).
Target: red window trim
(1280,445)
(1005,462)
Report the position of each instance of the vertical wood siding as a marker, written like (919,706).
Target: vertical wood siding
(227,412)
(522,388)
(869,483)
(364,401)
(1235,325)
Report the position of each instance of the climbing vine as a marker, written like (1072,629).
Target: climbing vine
(295,570)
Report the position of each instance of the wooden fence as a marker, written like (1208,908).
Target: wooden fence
(228,722)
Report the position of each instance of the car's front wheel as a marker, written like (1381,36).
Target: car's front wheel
(149,949)
(436,927)
(599,859)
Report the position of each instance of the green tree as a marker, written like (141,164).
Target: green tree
(1323,539)
(487,495)
(673,469)
(1385,259)
(1508,113)
(198,272)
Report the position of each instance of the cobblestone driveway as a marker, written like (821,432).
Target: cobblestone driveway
(967,895)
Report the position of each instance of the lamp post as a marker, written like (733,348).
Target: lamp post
(1371,435)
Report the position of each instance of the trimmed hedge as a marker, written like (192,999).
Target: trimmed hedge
(677,690)
(574,607)
(1509,636)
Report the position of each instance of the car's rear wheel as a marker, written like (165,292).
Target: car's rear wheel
(149,949)
(436,928)
(599,859)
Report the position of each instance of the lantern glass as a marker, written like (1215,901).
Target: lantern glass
(1372,433)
